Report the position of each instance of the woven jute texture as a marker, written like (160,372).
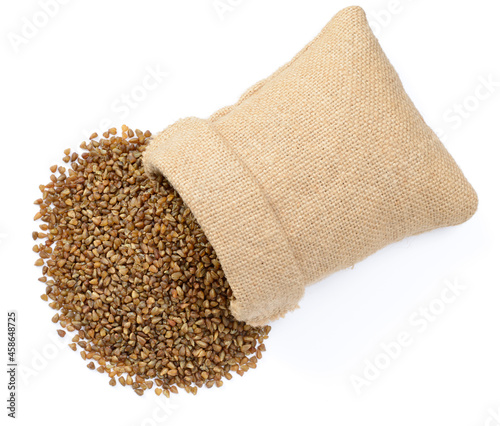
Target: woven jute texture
(313,169)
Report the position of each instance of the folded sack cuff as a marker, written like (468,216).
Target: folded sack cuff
(236,216)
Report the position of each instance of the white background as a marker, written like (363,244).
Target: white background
(61,78)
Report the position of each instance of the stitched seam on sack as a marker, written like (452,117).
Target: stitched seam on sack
(272,77)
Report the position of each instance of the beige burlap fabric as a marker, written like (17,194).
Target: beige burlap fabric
(313,169)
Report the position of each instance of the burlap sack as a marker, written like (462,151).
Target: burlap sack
(313,169)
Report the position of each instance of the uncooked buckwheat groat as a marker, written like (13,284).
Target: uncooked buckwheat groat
(132,274)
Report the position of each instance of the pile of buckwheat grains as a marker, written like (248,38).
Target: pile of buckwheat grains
(133,276)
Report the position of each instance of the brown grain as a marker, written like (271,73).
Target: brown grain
(130,271)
